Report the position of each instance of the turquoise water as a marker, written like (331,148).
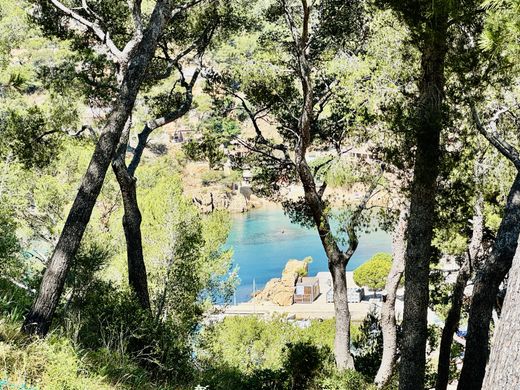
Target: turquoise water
(263,241)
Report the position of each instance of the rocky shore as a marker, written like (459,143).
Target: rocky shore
(280,291)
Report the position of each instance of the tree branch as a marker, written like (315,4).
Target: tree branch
(161,121)
(356,215)
(286,160)
(93,27)
(494,138)
(183,7)
(135,9)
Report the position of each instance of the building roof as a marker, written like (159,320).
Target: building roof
(307,281)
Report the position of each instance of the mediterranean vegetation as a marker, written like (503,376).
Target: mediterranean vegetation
(132,131)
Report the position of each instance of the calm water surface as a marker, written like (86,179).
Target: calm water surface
(263,241)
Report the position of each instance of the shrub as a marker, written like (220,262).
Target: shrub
(346,380)
(9,245)
(303,361)
(251,343)
(112,321)
(51,364)
(367,346)
(14,301)
(211,177)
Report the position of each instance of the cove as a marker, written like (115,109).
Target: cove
(263,240)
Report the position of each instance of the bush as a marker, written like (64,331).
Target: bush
(48,364)
(303,361)
(367,346)
(14,301)
(252,353)
(112,321)
(346,380)
(9,245)
(250,343)
(301,365)
(211,177)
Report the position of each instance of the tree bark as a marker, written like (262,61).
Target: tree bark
(342,353)
(388,322)
(453,317)
(137,277)
(39,318)
(502,371)
(428,126)
(487,283)
(337,262)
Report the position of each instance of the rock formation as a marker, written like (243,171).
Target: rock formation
(281,290)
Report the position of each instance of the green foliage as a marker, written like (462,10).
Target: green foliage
(26,135)
(216,133)
(373,273)
(299,212)
(502,30)
(252,353)
(367,345)
(303,362)
(14,301)
(211,177)
(110,322)
(340,174)
(186,263)
(9,244)
(440,293)
(366,59)
(122,343)
(267,91)
(249,343)
(92,257)
(52,364)
(32,119)
(347,380)
(219,281)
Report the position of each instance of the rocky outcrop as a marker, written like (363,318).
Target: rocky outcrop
(219,198)
(277,292)
(281,290)
(293,269)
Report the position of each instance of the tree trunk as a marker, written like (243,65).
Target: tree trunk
(337,262)
(453,317)
(502,371)
(388,323)
(487,283)
(428,126)
(137,277)
(39,318)
(342,353)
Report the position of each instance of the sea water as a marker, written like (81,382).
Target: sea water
(263,240)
